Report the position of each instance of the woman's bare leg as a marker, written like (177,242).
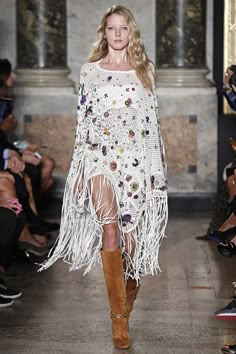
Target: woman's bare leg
(43,240)
(31,196)
(27,236)
(47,166)
(104,202)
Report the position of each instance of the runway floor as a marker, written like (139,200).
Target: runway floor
(65,312)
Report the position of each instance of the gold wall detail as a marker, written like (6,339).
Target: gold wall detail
(180,138)
(55,134)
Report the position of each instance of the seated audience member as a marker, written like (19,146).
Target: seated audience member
(229,88)
(33,243)
(31,169)
(227,231)
(11,225)
(28,150)
(229,349)
(229,311)
(12,162)
(13,231)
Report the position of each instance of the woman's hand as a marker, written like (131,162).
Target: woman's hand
(15,163)
(32,147)
(12,204)
(28,156)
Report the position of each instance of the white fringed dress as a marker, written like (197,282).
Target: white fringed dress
(118,139)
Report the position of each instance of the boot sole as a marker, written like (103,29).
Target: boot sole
(13,297)
(7,305)
(36,253)
(126,347)
(226,317)
(228,351)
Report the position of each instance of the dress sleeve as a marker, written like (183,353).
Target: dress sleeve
(84,109)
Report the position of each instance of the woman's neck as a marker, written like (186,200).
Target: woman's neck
(116,60)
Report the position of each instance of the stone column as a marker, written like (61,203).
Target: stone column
(41,43)
(181,54)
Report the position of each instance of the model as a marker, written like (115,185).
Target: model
(115,199)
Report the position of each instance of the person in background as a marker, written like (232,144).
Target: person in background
(29,150)
(11,172)
(228,229)
(229,88)
(32,163)
(13,232)
(11,225)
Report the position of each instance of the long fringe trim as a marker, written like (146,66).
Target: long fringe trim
(80,237)
(147,236)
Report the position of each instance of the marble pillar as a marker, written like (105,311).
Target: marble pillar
(41,43)
(187,98)
(181,54)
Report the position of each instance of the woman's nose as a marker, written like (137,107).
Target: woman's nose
(118,32)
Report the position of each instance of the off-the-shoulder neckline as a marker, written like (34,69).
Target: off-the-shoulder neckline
(113,71)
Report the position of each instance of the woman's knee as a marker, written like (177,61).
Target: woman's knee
(111,236)
(48,162)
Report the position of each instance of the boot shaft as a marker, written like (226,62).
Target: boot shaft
(114,278)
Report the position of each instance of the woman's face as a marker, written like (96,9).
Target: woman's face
(117,32)
(10,80)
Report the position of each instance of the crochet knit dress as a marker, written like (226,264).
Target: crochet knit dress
(117,174)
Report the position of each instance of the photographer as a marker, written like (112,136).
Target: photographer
(229,88)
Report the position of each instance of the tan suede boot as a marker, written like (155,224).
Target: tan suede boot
(131,293)
(114,277)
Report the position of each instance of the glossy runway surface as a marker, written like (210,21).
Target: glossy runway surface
(62,312)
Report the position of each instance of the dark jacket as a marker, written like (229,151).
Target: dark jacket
(231,98)
(2,161)
(6,106)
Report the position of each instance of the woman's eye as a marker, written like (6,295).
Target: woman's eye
(125,28)
(110,28)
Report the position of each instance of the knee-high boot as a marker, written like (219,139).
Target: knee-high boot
(131,290)
(131,293)
(114,277)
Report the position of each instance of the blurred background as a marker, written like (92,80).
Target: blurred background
(190,41)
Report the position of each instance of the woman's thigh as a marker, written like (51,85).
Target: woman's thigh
(104,199)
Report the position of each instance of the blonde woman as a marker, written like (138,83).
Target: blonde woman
(115,200)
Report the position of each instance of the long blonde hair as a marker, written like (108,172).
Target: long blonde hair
(137,55)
